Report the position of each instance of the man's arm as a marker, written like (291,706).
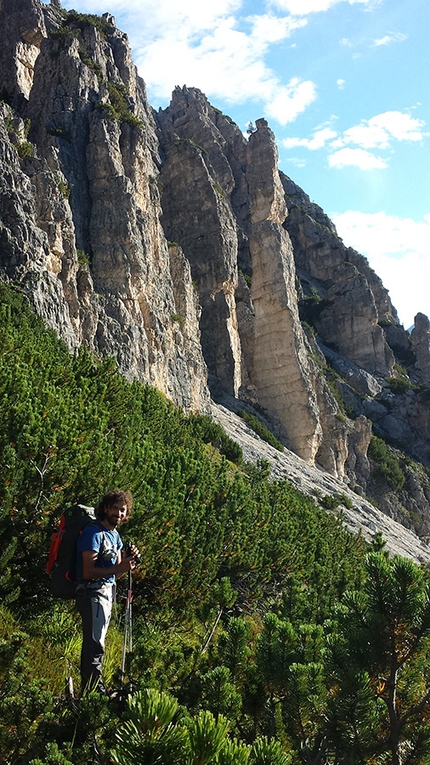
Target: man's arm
(91,571)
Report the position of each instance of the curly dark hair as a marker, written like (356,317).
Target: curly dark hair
(111,498)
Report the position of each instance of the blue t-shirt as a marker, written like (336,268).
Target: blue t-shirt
(105,543)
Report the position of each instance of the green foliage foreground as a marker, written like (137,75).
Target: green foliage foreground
(263,631)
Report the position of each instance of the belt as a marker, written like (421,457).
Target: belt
(93,584)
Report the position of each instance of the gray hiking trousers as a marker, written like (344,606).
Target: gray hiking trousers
(94,603)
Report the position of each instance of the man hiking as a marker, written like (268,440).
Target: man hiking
(100,561)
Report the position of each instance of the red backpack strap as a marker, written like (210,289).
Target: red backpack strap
(55,544)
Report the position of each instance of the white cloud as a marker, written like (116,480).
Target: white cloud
(340,84)
(215,47)
(379,130)
(211,52)
(159,18)
(225,62)
(228,64)
(209,46)
(290,100)
(401,126)
(268,29)
(304,7)
(391,37)
(365,135)
(398,249)
(318,141)
(352,147)
(297,161)
(356,158)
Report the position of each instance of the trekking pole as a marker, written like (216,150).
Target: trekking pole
(128,631)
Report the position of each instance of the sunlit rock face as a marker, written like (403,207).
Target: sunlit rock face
(85,235)
(223,201)
(280,370)
(209,175)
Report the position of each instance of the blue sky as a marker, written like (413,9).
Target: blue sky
(344,85)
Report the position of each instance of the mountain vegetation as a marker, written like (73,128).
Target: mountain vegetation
(181,273)
(264,632)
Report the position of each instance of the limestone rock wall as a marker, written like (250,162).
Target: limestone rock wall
(223,201)
(383,370)
(195,182)
(347,298)
(280,370)
(23,28)
(84,225)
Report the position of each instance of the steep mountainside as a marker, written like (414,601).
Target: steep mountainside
(173,243)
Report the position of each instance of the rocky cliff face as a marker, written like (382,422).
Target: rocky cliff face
(223,201)
(80,203)
(350,298)
(172,242)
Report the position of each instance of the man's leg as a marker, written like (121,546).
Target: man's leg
(95,608)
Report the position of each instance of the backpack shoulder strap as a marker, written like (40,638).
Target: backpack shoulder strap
(55,544)
(98,524)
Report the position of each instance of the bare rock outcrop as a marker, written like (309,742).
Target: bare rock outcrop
(345,299)
(84,225)
(223,202)
(196,180)
(280,369)
(23,28)
(420,338)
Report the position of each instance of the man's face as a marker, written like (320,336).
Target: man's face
(115,514)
